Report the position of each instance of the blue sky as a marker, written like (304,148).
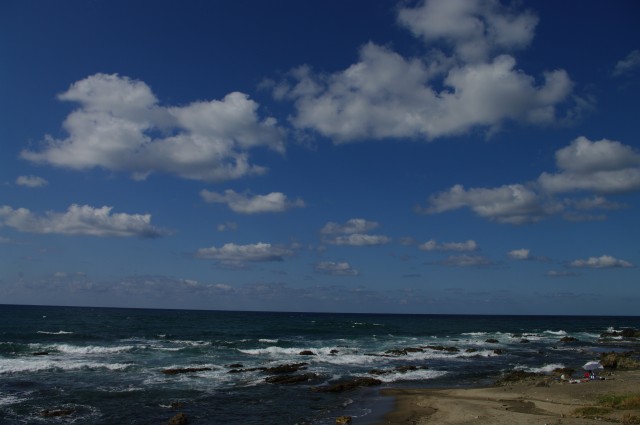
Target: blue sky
(348,156)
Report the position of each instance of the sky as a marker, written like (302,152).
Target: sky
(437,156)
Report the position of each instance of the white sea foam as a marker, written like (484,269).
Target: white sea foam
(188,342)
(10,399)
(89,349)
(21,365)
(560,332)
(548,368)
(268,341)
(55,333)
(413,375)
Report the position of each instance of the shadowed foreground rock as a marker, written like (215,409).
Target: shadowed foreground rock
(348,385)
(56,413)
(179,419)
(343,420)
(619,360)
(516,376)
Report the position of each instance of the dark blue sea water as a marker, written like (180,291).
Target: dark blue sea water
(105,366)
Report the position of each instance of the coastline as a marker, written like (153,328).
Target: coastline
(542,400)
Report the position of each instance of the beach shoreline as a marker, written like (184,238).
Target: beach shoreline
(542,400)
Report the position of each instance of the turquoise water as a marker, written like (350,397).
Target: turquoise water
(106,365)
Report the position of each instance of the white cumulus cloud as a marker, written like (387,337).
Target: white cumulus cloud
(121,126)
(472,28)
(602,166)
(80,220)
(602,262)
(387,95)
(252,204)
(232,254)
(515,204)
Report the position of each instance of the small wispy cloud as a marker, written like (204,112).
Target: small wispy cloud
(353,233)
(252,204)
(628,65)
(234,255)
(602,262)
(31,181)
(433,245)
(335,268)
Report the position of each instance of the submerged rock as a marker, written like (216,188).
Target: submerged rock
(290,379)
(442,348)
(179,370)
(397,369)
(491,341)
(348,385)
(286,368)
(569,339)
(307,353)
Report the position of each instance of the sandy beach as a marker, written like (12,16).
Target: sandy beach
(542,400)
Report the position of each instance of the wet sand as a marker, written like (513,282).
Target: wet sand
(543,400)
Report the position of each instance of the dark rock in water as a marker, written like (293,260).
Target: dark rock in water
(286,368)
(498,351)
(630,333)
(343,420)
(397,369)
(516,376)
(40,353)
(235,366)
(348,385)
(491,341)
(524,341)
(441,348)
(290,379)
(334,352)
(179,419)
(569,339)
(625,333)
(179,370)
(307,353)
(56,413)
(405,351)
(470,350)
(619,360)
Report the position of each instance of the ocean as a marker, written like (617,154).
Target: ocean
(136,366)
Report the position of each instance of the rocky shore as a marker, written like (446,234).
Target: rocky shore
(520,397)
